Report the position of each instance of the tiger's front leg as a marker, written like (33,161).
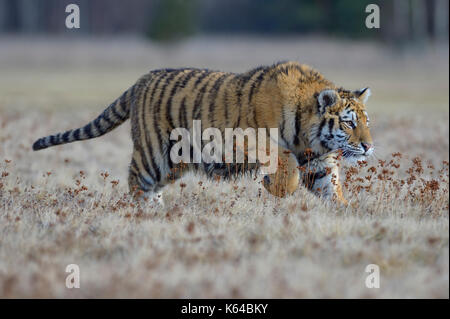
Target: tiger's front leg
(286,178)
(321,176)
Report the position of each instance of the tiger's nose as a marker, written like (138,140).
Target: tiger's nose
(366,146)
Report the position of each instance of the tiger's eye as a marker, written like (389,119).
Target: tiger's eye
(350,124)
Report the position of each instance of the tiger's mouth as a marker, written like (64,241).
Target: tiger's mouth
(353,154)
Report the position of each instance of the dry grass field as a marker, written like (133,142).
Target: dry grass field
(216,239)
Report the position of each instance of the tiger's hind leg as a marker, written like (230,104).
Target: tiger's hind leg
(142,191)
(143,181)
(142,185)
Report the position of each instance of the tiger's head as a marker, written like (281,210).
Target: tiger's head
(343,124)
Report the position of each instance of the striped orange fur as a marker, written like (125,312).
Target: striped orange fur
(316,122)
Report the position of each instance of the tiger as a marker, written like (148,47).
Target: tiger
(318,124)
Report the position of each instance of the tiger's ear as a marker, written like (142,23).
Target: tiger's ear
(363,94)
(326,99)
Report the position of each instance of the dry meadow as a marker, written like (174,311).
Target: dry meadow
(69,204)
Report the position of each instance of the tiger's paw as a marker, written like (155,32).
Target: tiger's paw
(340,200)
(158,199)
(276,189)
(154,199)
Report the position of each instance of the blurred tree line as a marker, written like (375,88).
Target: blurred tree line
(401,20)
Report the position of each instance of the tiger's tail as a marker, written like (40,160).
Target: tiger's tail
(117,113)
